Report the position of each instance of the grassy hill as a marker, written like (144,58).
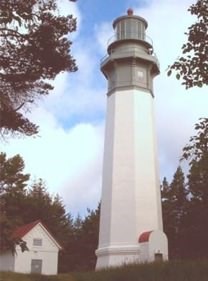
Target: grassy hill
(170,271)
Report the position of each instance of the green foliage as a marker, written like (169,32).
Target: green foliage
(79,254)
(185,204)
(174,207)
(192,66)
(34,49)
(196,153)
(20,205)
(39,204)
(11,174)
(12,194)
(88,240)
(198,145)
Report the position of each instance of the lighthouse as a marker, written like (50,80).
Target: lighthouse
(131,228)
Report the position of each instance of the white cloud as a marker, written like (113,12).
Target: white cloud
(76,95)
(68,160)
(103,33)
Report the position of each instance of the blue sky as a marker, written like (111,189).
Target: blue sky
(101,11)
(68,151)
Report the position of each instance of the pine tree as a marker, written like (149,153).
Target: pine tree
(89,238)
(39,204)
(179,203)
(196,153)
(20,205)
(79,254)
(13,184)
(165,190)
(174,207)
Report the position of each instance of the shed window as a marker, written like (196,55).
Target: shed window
(37,242)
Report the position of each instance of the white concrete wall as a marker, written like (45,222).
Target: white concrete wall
(158,243)
(131,202)
(147,191)
(117,255)
(118,171)
(48,253)
(6,261)
(144,252)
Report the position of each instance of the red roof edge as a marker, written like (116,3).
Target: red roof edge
(21,231)
(144,237)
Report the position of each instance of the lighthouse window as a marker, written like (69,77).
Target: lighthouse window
(140,74)
(130,28)
(136,29)
(122,30)
(139,30)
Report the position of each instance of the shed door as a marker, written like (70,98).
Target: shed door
(36,266)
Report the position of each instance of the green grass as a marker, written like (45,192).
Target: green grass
(169,271)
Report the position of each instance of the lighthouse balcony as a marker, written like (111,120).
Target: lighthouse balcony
(127,51)
(130,35)
(132,45)
(136,40)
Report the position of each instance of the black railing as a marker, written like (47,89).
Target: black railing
(130,35)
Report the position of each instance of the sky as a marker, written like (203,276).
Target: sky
(68,151)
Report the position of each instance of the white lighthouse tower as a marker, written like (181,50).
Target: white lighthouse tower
(131,228)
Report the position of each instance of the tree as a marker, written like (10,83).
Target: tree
(79,255)
(166,207)
(174,206)
(12,194)
(179,203)
(34,49)
(179,194)
(198,146)
(196,153)
(192,66)
(89,239)
(39,204)
(165,190)
(21,204)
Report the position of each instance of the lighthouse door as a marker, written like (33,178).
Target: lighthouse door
(158,257)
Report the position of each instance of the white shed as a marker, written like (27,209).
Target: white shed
(42,256)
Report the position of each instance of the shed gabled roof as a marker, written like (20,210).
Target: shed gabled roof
(21,231)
